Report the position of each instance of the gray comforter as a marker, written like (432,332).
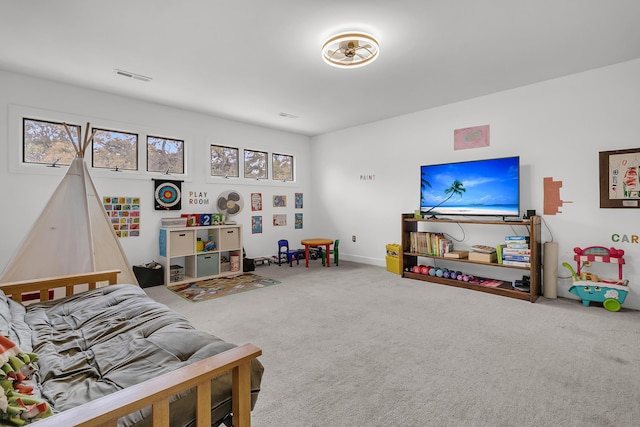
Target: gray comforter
(98,342)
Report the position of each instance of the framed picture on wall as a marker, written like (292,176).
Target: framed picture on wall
(256,201)
(619,182)
(279,220)
(256,224)
(279,201)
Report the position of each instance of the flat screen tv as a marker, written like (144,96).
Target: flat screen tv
(478,187)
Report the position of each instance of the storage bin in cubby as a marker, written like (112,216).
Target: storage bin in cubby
(229,238)
(207,265)
(182,242)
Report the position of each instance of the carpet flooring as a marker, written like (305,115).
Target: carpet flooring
(219,287)
(358,346)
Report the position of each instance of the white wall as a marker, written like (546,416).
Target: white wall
(26,192)
(556,127)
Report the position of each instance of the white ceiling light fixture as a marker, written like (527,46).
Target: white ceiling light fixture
(350,50)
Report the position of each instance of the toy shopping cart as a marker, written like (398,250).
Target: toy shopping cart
(589,287)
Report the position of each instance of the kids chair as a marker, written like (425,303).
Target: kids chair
(333,251)
(289,254)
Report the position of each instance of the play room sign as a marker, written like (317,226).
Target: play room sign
(198,198)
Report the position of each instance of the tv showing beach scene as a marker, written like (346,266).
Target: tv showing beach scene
(477,187)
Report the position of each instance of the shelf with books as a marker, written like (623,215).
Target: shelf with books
(411,255)
(466,260)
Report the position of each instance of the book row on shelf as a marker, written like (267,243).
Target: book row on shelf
(514,251)
(433,244)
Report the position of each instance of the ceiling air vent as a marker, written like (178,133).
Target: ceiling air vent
(288,116)
(131,75)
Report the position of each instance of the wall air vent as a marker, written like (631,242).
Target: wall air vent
(131,75)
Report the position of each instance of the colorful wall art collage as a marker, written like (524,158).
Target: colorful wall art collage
(124,214)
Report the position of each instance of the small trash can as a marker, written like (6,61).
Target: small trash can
(393,258)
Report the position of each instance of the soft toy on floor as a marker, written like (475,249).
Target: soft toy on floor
(17,405)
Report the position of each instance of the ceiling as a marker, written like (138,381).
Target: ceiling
(252,60)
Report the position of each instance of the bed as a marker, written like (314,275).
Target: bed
(110,355)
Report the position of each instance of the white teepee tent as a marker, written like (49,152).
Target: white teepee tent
(73,234)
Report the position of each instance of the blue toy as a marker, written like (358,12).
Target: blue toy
(611,296)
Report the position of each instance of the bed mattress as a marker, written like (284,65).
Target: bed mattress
(95,343)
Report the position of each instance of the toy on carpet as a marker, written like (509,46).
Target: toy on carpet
(589,287)
(18,406)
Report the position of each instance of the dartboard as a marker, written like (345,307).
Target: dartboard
(168,195)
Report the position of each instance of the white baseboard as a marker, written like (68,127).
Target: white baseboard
(364,260)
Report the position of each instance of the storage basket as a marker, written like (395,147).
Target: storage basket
(148,276)
(176,273)
(393,259)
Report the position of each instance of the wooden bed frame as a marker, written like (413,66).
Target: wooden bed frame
(157,391)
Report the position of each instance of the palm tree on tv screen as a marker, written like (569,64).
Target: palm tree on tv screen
(424,183)
(457,188)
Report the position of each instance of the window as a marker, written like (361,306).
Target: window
(282,167)
(115,150)
(165,155)
(255,164)
(224,161)
(47,142)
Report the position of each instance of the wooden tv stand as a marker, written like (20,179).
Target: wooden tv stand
(409,259)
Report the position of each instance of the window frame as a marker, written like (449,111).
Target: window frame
(273,169)
(166,171)
(94,131)
(73,150)
(16,114)
(237,153)
(266,164)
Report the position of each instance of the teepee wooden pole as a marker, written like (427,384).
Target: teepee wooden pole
(75,146)
(88,141)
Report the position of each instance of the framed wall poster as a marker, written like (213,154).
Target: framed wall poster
(279,201)
(256,201)
(256,224)
(473,137)
(298,221)
(619,183)
(298,200)
(279,220)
